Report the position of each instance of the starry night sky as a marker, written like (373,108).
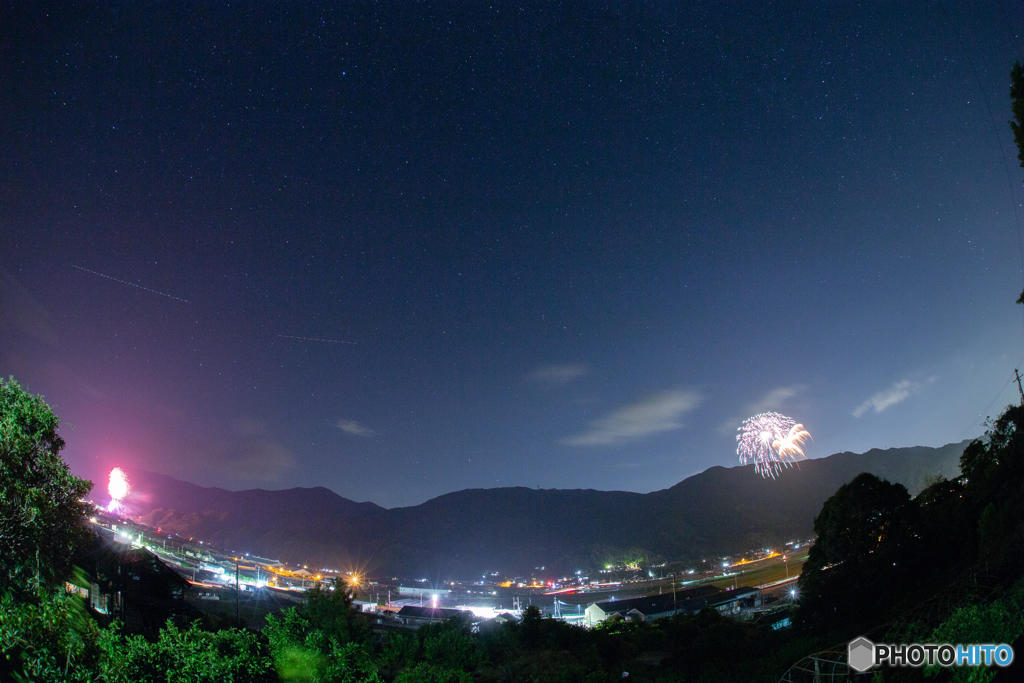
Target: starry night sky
(403,249)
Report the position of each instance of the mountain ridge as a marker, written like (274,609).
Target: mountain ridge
(720,511)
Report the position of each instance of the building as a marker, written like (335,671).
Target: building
(688,601)
(734,601)
(413,616)
(424,592)
(130,584)
(506,617)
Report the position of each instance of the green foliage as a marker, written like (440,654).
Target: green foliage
(1000,621)
(425,672)
(992,623)
(302,651)
(41,516)
(875,546)
(710,646)
(328,608)
(399,653)
(450,645)
(48,638)
(297,654)
(187,655)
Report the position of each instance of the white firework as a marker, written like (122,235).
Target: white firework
(770,441)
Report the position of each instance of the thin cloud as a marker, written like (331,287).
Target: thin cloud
(558,374)
(773,401)
(248,454)
(888,397)
(254,460)
(659,413)
(19,310)
(353,427)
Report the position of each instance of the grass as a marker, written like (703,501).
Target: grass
(763,571)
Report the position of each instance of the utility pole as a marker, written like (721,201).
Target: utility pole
(1021,390)
(237,612)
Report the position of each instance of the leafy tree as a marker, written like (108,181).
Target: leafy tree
(399,653)
(1017,106)
(303,652)
(187,655)
(992,472)
(51,638)
(328,608)
(425,672)
(449,645)
(863,533)
(41,516)
(1000,621)
(855,522)
(531,625)
(715,647)
(947,533)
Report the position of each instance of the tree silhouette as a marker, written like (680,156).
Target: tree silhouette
(41,513)
(863,531)
(1017,125)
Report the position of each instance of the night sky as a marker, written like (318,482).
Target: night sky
(401,250)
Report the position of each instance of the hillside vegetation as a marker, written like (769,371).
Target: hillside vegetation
(944,565)
(721,511)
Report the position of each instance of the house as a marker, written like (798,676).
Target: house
(130,584)
(733,601)
(506,617)
(651,607)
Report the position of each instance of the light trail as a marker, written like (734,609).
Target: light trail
(330,341)
(147,289)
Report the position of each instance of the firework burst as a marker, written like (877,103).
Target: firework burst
(770,441)
(789,447)
(118,488)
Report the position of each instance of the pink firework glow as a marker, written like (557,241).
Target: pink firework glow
(118,488)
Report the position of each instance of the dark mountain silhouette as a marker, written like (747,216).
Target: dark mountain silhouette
(718,512)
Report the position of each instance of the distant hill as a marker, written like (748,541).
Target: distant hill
(718,512)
